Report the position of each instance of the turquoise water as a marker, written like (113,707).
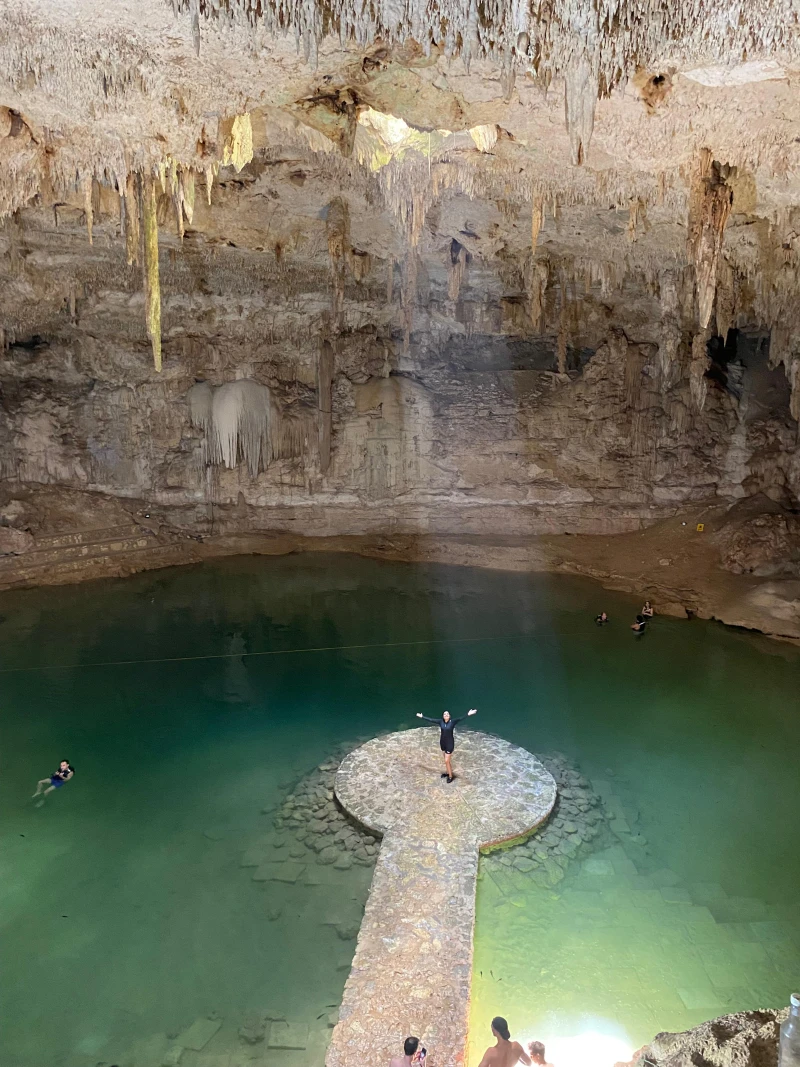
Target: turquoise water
(125,914)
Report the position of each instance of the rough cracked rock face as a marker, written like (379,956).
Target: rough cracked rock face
(744,1039)
(535,275)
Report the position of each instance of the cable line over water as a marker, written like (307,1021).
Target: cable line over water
(268,652)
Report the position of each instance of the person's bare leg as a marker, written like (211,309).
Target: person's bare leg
(448,764)
(40,785)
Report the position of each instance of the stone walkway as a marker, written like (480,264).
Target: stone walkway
(412,968)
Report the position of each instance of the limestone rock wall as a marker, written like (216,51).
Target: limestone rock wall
(466,431)
(434,376)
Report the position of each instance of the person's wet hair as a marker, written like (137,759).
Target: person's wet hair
(536,1048)
(500,1026)
(410,1045)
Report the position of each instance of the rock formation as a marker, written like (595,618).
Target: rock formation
(267,268)
(744,1039)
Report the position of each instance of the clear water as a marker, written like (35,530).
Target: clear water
(125,914)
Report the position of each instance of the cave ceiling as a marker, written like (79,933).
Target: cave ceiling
(643,156)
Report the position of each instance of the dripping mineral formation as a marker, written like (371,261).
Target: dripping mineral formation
(447,281)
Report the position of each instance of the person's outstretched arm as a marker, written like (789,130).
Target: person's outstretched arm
(427,718)
(523,1055)
(472,711)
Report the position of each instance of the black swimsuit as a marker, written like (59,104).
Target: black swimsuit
(446,739)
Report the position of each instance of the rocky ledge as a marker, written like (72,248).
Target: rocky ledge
(744,1039)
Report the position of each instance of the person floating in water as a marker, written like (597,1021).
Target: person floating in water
(506,1052)
(55,781)
(447,740)
(601,619)
(647,610)
(537,1053)
(638,627)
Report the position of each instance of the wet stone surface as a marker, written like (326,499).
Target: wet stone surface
(413,963)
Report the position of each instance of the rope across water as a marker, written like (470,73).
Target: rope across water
(267,652)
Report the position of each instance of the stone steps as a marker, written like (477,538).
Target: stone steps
(42,557)
(101,552)
(89,537)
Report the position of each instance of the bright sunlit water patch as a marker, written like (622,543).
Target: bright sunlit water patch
(591,1047)
(595,1043)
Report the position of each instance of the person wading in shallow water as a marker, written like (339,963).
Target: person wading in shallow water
(506,1052)
(538,1056)
(56,780)
(446,738)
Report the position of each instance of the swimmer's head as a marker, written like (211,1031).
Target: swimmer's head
(500,1028)
(536,1049)
(64,764)
(446,716)
(410,1045)
(647,603)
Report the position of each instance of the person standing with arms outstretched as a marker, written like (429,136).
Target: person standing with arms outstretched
(447,741)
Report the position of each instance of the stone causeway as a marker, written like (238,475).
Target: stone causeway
(412,968)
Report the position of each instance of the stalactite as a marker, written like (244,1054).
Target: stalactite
(709,207)
(132,228)
(543,34)
(637,211)
(457,270)
(670,334)
(88,208)
(200,399)
(211,171)
(337,230)
(194,8)
(784,348)
(409,293)
(698,367)
(537,218)
(240,425)
(414,219)
(390,281)
(151,276)
(485,137)
(726,299)
(581,86)
(360,264)
(237,136)
(325,371)
(561,345)
(241,422)
(539,272)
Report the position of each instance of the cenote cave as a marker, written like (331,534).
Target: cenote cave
(399,533)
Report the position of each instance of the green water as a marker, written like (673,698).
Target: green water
(125,914)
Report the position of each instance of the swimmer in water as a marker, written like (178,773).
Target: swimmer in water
(638,627)
(601,619)
(647,610)
(506,1052)
(446,738)
(56,780)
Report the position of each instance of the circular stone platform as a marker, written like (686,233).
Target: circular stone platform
(393,783)
(412,968)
